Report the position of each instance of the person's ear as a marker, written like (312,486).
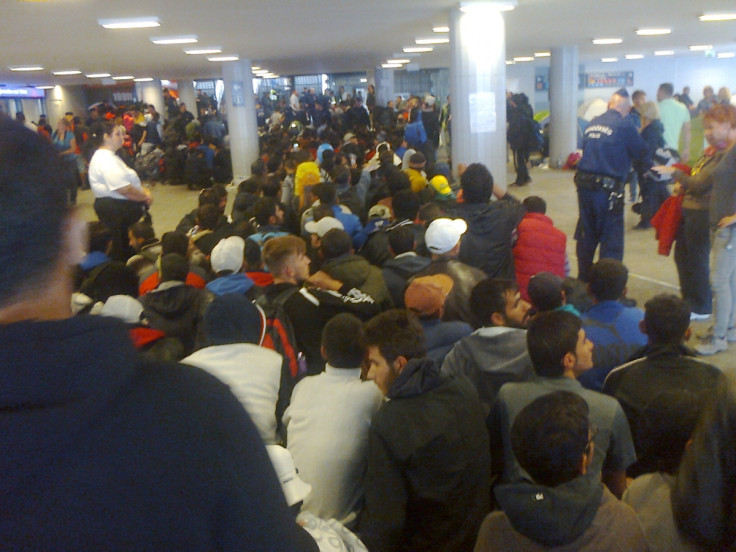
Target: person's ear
(688,334)
(75,240)
(568,361)
(399,364)
(498,319)
(323,352)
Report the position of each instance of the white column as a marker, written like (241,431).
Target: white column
(185,87)
(478,88)
(152,93)
(563,101)
(241,116)
(384,83)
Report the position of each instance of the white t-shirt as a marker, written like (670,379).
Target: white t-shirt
(107,173)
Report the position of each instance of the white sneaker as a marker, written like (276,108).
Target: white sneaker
(715,345)
(694,316)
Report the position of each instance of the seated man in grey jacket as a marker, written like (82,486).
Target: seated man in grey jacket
(496,353)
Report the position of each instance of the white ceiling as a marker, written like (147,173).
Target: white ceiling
(315,36)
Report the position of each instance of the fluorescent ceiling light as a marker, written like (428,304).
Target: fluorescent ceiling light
(432,41)
(143,79)
(391,65)
(223,58)
(605,41)
(131,23)
(26,68)
(123,77)
(724,55)
(609,60)
(47,87)
(262,72)
(701,47)
(417,50)
(524,58)
(653,32)
(718,17)
(98,75)
(203,51)
(497,5)
(399,61)
(187,39)
(441,29)
(664,53)
(510,62)
(255,68)
(68,72)
(363,80)
(634,56)
(542,54)
(165,82)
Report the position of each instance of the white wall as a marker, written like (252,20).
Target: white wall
(61,99)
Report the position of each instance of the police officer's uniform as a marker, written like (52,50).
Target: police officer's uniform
(611,141)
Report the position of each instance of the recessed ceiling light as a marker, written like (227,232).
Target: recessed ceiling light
(609,60)
(223,58)
(718,17)
(542,54)
(261,71)
(363,80)
(391,65)
(123,77)
(46,87)
(664,53)
(510,62)
(701,47)
(67,72)
(634,56)
(143,79)
(203,51)
(441,29)
(417,50)
(187,39)
(26,68)
(130,23)
(255,68)
(399,61)
(653,32)
(432,41)
(524,58)
(98,75)
(724,55)
(605,41)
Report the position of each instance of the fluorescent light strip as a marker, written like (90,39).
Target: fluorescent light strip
(123,77)
(510,62)
(542,54)
(664,53)
(725,55)
(399,61)
(653,32)
(98,75)
(47,87)
(143,79)
(363,80)
(432,41)
(701,47)
(203,51)
(489,6)
(609,60)
(441,29)
(223,58)
(66,73)
(605,41)
(164,40)
(26,68)
(634,56)
(391,65)
(417,50)
(132,23)
(524,58)
(718,17)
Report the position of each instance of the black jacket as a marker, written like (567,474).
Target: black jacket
(465,278)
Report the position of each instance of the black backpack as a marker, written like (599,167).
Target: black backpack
(197,173)
(280,336)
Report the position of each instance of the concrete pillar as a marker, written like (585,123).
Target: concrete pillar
(241,116)
(478,88)
(384,83)
(563,100)
(152,93)
(61,99)
(187,95)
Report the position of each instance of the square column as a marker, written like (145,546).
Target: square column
(563,104)
(242,122)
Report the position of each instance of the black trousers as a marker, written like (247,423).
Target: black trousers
(692,255)
(118,215)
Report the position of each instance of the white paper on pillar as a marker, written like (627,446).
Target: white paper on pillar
(482,112)
(237,93)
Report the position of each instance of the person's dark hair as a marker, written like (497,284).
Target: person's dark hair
(405,205)
(207,217)
(477,183)
(703,495)
(96,136)
(341,175)
(607,279)
(244,228)
(334,243)
(271,186)
(489,296)
(414,114)
(326,193)
(666,318)
(142,230)
(174,267)
(252,255)
(637,94)
(401,240)
(258,168)
(667,88)
(208,196)
(274,164)
(549,437)
(551,335)
(264,209)
(397,181)
(174,242)
(429,212)
(100,236)
(535,204)
(396,333)
(342,340)
(321,211)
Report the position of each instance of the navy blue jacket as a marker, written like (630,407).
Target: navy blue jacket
(610,143)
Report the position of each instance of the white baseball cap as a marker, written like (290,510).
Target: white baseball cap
(228,254)
(443,234)
(323,225)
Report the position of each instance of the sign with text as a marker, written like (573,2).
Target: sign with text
(22,92)
(614,79)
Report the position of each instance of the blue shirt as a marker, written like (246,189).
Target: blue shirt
(610,143)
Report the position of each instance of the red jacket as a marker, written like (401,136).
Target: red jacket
(666,222)
(539,248)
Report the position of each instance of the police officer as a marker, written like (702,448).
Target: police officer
(611,142)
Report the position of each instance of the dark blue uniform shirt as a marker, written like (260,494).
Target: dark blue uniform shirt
(610,143)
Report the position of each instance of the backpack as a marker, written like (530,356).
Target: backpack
(280,336)
(197,173)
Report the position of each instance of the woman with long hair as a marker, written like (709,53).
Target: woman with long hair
(66,144)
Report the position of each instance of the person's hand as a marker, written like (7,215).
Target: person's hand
(149,198)
(727,221)
(663,169)
(678,189)
(322,280)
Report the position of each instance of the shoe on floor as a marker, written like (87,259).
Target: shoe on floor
(695,316)
(713,346)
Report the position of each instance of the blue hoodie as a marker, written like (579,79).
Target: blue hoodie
(232,283)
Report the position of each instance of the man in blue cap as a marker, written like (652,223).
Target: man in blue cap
(611,142)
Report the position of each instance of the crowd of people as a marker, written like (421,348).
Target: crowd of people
(406,355)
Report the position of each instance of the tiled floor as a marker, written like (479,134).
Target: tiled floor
(649,273)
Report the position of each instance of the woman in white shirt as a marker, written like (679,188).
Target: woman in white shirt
(120,200)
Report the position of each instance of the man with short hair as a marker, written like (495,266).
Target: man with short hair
(327,424)
(560,351)
(98,443)
(561,505)
(675,119)
(404,262)
(270,217)
(613,327)
(495,353)
(427,481)
(147,248)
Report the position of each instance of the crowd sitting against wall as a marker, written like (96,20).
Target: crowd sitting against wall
(412,354)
